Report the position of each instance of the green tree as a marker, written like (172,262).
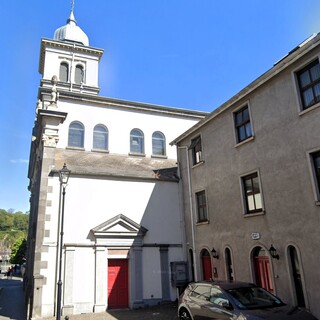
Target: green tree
(6,220)
(18,251)
(20,221)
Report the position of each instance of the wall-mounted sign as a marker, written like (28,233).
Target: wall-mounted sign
(255,235)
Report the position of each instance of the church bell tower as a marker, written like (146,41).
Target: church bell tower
(69,58)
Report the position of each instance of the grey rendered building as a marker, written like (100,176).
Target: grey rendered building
(251,180)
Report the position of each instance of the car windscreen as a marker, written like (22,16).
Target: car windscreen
(254,298)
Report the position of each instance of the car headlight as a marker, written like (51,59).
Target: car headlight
(241,317)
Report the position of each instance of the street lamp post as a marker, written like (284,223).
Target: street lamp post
(64,174)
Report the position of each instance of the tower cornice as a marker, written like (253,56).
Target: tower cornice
(68,46)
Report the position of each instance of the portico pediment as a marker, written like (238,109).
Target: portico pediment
(119,226)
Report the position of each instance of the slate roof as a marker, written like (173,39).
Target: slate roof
(111,165)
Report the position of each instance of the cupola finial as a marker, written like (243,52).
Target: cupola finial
(72,18)
(72,5)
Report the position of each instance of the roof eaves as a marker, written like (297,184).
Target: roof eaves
(283,63)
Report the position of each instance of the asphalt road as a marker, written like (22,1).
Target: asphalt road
(12,299)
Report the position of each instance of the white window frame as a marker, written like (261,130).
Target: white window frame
(295,80)
(314,182)
(199,155)
(196,206)
(233,113)
(79,63)
(246,213)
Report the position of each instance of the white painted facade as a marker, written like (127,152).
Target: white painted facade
(118,205)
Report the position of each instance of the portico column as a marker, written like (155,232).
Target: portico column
(67,307)
(101,276)
(165,279)
(137,278)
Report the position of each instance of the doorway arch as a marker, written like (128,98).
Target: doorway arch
(296,276)
(191,265)
(229,264)
(262,269)
(206,265)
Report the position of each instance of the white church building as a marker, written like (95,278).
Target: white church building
(122,218)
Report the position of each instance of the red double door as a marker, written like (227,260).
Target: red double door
(263,273)
(118,288)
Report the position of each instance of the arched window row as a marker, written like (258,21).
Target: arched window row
(100,141)
(64,73)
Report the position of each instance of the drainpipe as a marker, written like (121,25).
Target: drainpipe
(72,61)
(191,214)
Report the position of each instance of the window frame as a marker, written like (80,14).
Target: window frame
(65,63)
(315,177)
(237,126)
(203,206)
(82,133)
(141,142)
(297,73)
(106,137)
(79,66)
(196,150)
(156,140)
(245,195)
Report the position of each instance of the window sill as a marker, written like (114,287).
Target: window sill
(304,111)
(100,150)
(75,148)
(318,203)
(244,141)
(200,223)
(248,215)
(198,164)
(158,156)
(137,154)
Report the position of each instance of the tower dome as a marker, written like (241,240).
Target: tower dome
(71,32)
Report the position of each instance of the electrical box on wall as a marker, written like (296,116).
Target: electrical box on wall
(179,273)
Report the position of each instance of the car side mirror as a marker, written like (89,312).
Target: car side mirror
(226,305)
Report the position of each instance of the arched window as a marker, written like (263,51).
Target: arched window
(158,144)
(76,135)
(100,137)
(136,141)
(79,74)
(64,72)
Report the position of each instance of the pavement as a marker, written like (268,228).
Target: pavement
(165,311)
(12,307)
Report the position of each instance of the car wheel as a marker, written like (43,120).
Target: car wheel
(184,315)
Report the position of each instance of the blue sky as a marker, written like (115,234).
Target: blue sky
(192,54)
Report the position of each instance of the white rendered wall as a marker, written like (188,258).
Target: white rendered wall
(90,202)
(119,123)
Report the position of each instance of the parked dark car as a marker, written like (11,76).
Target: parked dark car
(234,300)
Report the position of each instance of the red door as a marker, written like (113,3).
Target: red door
(263,273)
(206,265)
(118,291)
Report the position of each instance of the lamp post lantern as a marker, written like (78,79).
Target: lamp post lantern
(64,175)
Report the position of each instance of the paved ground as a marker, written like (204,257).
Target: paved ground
(166,311)
(12,307)
(11,299)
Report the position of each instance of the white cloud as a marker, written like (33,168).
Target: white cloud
(19,161)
